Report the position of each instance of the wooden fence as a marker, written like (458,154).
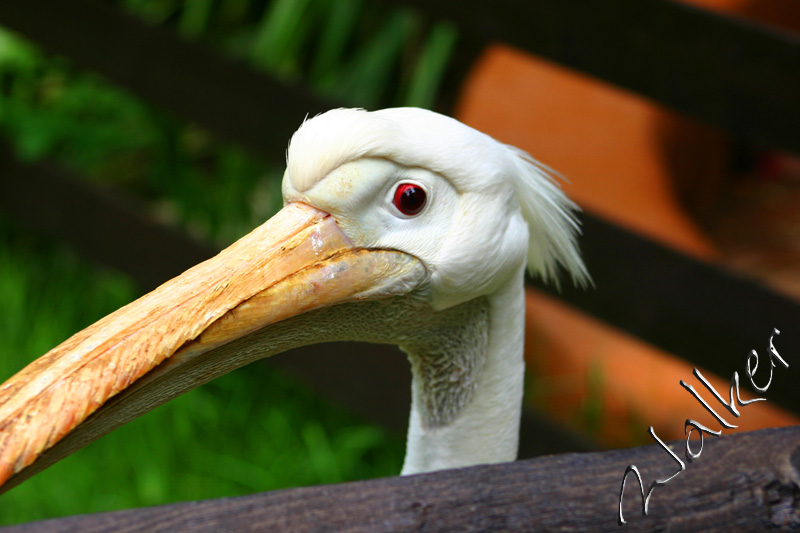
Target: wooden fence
(741,77)
(642,287)
(745,482)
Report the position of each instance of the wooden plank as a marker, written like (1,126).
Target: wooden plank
(98,224)
(372,381)
(698,311)
(745,482)
(184,78)
(701,312)
(739,76)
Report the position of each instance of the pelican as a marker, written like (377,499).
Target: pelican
(399,226)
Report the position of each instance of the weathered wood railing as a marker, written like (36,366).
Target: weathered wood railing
(740,77)
(744,482)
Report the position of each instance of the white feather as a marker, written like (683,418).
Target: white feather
(472,161)
(492,209)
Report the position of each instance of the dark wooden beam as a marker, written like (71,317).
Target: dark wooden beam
(745,482)
(698,311)
(739,76)
(100,225)
(187,79)
(704,313)
(372,381)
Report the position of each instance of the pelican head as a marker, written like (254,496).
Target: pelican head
(400,226)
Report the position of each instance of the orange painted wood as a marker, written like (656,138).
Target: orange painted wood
(622,156)
(605,141)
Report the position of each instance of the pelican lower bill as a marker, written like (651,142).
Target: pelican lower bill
(295,262)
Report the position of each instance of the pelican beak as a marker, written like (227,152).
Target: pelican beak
(196,327)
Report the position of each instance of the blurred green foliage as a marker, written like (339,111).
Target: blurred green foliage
(347,50)
(252,430)
(249,431)
(363,53)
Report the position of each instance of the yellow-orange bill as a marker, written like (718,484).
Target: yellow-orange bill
(297,261)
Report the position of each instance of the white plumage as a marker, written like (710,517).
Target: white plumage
(491,209)
(471,161)
(442,278)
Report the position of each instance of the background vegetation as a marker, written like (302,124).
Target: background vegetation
(252,430)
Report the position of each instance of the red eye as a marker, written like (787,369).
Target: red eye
(409,198)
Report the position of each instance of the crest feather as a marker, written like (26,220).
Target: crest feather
(472,161)
(552,224)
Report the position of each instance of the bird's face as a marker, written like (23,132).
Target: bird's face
(380,204)
(385,212)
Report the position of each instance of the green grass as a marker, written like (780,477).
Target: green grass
(216,191)
(252,430)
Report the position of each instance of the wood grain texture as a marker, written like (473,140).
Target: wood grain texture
(744,482)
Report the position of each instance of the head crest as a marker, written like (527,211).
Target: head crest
(471,160)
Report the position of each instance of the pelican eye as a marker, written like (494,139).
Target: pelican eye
(409,198)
